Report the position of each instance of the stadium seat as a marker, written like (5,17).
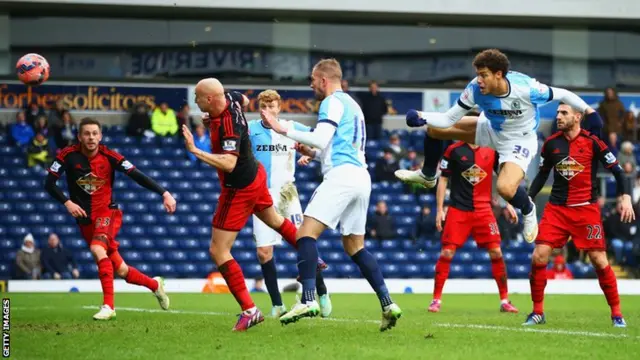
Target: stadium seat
(176,256)
(198,256)
(153,256)
(9,244)
(186,270)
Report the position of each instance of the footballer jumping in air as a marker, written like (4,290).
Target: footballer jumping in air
(509,101)
(244,187)
(342,197)
(572,210)
(90,169)
(470,169)
(277,154)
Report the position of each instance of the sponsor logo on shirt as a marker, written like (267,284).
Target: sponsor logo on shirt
(568,168)
(474,175)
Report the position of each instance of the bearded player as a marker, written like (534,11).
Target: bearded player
(277,154)
(90,169)
(509,101)
(470,169)
(572,210)
(244,188)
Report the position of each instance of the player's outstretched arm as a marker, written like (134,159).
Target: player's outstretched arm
(570,99)
(417,118)
(148,183)
(224,162)
(319,138)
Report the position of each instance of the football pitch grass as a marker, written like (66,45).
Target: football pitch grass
(198,326)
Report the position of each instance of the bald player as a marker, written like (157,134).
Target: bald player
(244,187)
(343,195)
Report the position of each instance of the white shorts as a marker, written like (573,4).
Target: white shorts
(342,197)
(516,147)
(287,203)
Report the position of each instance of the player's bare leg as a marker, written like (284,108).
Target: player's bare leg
(270,274)
(220,251)
(133,276)
(464,130)
(499,272)
(98,249)
(354,246)
(538,281)
(508,186)
(609,285)
(443,265)
(307,235)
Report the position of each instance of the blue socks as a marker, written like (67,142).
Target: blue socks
(371,271)
(521,201)
(307,265)
(271,281)
(433,151)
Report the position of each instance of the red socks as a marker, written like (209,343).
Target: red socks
(442,273)
(609,286)
(538,281)
(105,273)
(232,274)
(288,232)
(136,277)
(499,271)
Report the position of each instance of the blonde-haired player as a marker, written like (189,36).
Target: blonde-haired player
(277,154)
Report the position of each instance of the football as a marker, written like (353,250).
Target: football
(32,69)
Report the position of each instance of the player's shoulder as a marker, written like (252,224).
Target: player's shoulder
(555,137)
(66,151)
(592,137)
(456,146)
(110,153)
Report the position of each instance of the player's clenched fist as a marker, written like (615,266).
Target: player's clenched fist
(169,202)
(74,209)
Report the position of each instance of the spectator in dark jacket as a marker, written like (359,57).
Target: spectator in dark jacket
(381,224)
(55,114)
(21,132)
(139,122)
(33,111)
(426,225)
(374,107)
(65,135)
(57,262)
(386,166)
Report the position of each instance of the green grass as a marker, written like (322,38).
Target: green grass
(59,326)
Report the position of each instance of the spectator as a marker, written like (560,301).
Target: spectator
(33,112)
(164,121)
(626,156)
(381,225)
(38,151)
(374,107)
(21,132)
(394,144)
(55,115)
(410,161)
(139,121)
(28,260)
(345,88)
(612,110)
(559,271)
(185,118)
(201,140)
(41,126)
(66,134)
(386,166)
(620,236)
(426,224)
(630,126)
(57,262)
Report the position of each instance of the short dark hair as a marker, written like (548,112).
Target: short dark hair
(89,121)
(492,59)
(572,108)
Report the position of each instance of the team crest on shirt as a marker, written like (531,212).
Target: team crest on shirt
(90,183)
(515,105)
(569,167)
(474,175)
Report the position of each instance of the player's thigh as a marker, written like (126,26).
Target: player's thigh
(353,220)
(585,227)
(509,179)
(235,206)
(457,228)
(553,230)
(329,201)
(464,130)
(220,245)
(107,224)
(485,230)
(263,235)
(516,153)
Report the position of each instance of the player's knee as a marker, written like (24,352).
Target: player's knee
(265,254)
(506,188)
(495,253)
(540,256)
(122,270)
(352,244)
(599,259)
(448,253)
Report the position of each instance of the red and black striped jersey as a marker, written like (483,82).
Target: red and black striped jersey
(575,165)
(471,175)
(229,134)
(90,180)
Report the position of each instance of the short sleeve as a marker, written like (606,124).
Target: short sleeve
(118,162)
(546,163)
(331,111)
(467,99)
(606,157)
(445,162)
(539,93)
(58,166)
(231,132)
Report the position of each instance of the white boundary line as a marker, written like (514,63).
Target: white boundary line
(445,325)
